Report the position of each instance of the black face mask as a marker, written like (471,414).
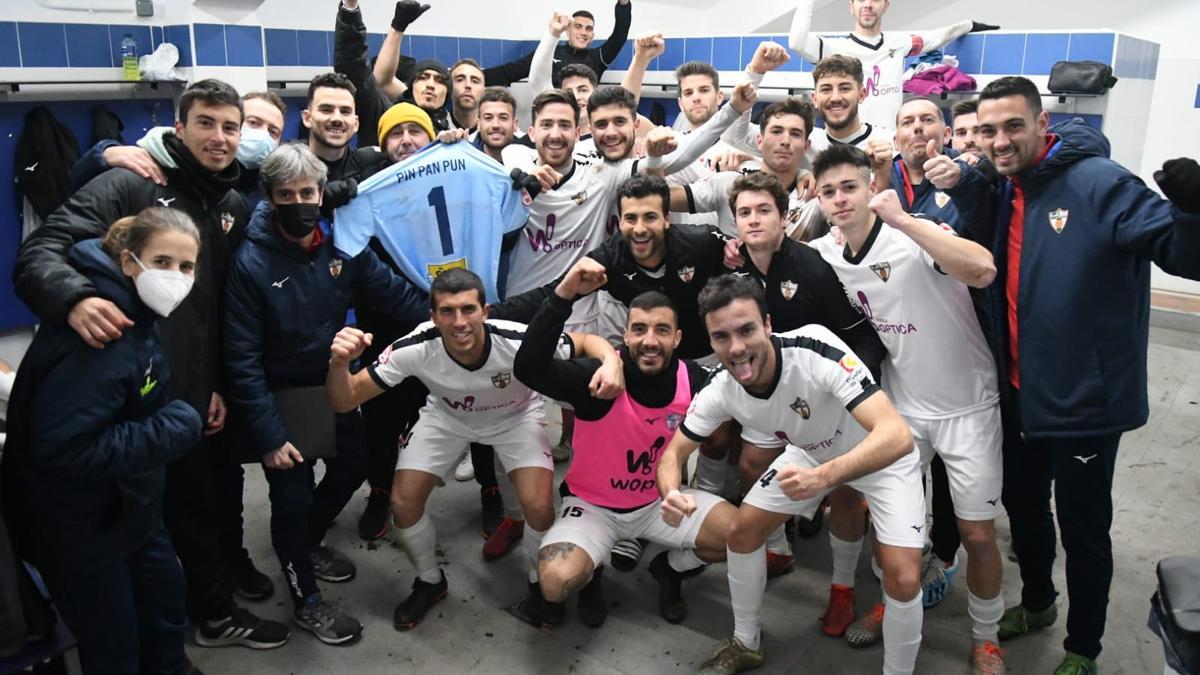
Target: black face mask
(298,220)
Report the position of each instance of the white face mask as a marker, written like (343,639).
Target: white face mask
(161,290)
(254,146)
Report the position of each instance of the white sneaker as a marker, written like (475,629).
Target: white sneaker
(465,471)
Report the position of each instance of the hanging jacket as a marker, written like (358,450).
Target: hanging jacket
(1090,230)
(106,126)
(92,433)
(43,159)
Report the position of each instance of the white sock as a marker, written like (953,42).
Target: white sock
(845,559)
(901,634)
(420,541)
(777,542)
(531,541)
(682,560)
(710,474)
(985,616)
(747,580)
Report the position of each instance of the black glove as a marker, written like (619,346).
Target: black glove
(1180,182)
(338,193)
(523,181)
(407,12)
(977,27)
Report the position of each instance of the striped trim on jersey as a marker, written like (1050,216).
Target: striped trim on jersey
(834,354)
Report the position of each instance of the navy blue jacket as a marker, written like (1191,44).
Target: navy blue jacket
(283,307)
(924,197)
(91,431)
(1091,229)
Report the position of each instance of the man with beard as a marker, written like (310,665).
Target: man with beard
(964,137)
(428,90)
(882,53)
(582,30)
(202,183)
(466,82)
(807,392)
(606,495)
(497,121)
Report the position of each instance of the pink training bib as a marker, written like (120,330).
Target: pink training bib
(616,457)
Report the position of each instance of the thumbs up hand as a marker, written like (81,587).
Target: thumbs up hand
(942,171)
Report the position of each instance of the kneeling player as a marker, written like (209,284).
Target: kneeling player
(610,490)
(804,389)
(466,362)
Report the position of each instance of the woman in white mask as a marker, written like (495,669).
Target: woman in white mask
(91,432)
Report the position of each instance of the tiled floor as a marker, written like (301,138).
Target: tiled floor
(1157,493)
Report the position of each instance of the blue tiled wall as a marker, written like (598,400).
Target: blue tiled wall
(56,45)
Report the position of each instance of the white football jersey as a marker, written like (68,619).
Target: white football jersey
(818,382)
(938,364)
(483,399)
(712,194)
(820,139)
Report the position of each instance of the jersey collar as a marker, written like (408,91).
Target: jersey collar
(866,248)
(861,136)
(873,47)
(487,351)
(778,347)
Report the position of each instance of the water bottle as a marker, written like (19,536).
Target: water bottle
(129,59)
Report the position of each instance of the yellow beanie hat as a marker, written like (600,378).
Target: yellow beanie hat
(401,113)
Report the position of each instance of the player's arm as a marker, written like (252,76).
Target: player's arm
(800,40)
(670,154)
(671,466)
(1167,232)
(742,135)
(622,18)
(646,48)
(388,60)
(927,41)
(960,258)
(541,68)
(888,439)
(348,391)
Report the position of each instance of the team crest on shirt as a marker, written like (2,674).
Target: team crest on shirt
(793,216)
(226,221)
(686,273)
(1058,219)
(800,407)
(580,197)
(941,199)
(335,268)
(435,269)
(882,270)
(788,289)
(501,380)
(673,421)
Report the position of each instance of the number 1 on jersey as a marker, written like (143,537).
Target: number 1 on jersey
(437,199)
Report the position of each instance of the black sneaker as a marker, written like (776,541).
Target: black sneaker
(328,622)
(373,523)
(593,609)
(424,595)
(242,628)
(492,508)
(329,565)
(626,554)
(536,611)
(249,583)
(670,589)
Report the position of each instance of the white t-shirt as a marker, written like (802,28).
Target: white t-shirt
(483,399)
(820,139)
(819,382)
(938,364)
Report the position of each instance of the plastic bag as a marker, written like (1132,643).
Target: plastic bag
(160,66)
